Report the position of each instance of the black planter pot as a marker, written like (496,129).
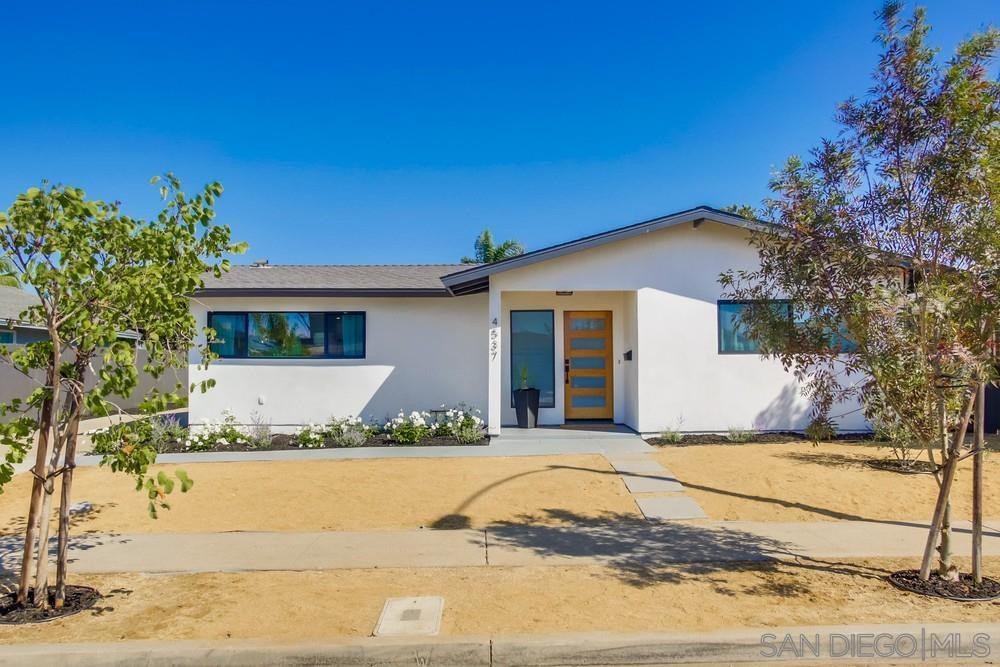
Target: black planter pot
(526,407)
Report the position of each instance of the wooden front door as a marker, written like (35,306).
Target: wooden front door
(587,366)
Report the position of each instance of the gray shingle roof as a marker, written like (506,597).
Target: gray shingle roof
(13,301)
(332,280)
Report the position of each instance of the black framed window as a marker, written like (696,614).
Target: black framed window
(533,354)
(289,335)
(734,338)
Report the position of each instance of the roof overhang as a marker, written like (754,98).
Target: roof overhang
(476,279)
(327,292)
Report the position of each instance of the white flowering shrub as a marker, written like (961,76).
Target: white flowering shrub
(462,423)
(311,436)
(408,429)
(349,431)
(214,434)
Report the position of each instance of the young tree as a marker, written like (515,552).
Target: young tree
(488,252)
(98,273)
(885,245)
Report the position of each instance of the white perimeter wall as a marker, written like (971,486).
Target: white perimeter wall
(681,381)
(421,353)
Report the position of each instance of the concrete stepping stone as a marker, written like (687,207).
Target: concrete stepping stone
(670,508)
(655,482)
(410,616)
(645,475)
(637,466)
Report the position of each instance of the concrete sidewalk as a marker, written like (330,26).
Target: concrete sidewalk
(636,546)
(846,644)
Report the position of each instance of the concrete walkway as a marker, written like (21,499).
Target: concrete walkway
(844,644)
(511,442)
(637,549)
(657,493)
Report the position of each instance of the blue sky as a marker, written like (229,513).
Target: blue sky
(393,132)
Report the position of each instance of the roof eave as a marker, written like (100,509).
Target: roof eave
(455,281)
(318,291)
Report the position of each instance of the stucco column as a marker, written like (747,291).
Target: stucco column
(493,407)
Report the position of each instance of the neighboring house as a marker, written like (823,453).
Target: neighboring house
(626,326)
(15,331)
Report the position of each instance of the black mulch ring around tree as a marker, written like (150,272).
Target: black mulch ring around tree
(769,437)
(282,441)
(78,598)
(963,590)
(904,467)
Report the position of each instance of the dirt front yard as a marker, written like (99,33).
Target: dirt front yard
(346,495)
(498,600)
(802,482)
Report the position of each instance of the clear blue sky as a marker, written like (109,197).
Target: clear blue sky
(380,132)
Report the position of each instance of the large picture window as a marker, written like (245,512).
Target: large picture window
(289,335)
(734,339)
(532,353)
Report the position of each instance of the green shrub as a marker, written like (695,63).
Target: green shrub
(462,423)
(736,434)
(215,434)
(312,436)
(672,437)
(408,429)
(820,430)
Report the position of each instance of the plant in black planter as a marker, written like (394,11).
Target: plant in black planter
(526,402)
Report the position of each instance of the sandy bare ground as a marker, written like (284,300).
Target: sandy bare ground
(347,495)
(802,482)
(527,600)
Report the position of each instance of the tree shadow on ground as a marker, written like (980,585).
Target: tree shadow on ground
(12,548)
(639,552)
(827,460)
(78,520)
(644,554)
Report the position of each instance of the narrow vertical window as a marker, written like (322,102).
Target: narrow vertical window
(532,353)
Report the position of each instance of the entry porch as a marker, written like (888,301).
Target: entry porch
(578,348)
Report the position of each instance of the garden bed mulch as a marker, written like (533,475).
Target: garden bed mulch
(770,437)
(78,598)
(283,441)
(918,467)
(962,590)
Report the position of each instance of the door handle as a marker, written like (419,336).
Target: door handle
(566,370)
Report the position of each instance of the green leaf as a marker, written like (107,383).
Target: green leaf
(186,482)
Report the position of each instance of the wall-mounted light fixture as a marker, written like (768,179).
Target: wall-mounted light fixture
(564,293)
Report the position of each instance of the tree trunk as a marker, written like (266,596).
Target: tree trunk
(977,485)
(64,502)
(41,596)
(31,530)
(944,493)
(944,547)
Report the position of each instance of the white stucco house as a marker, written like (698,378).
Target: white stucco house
(626,326)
